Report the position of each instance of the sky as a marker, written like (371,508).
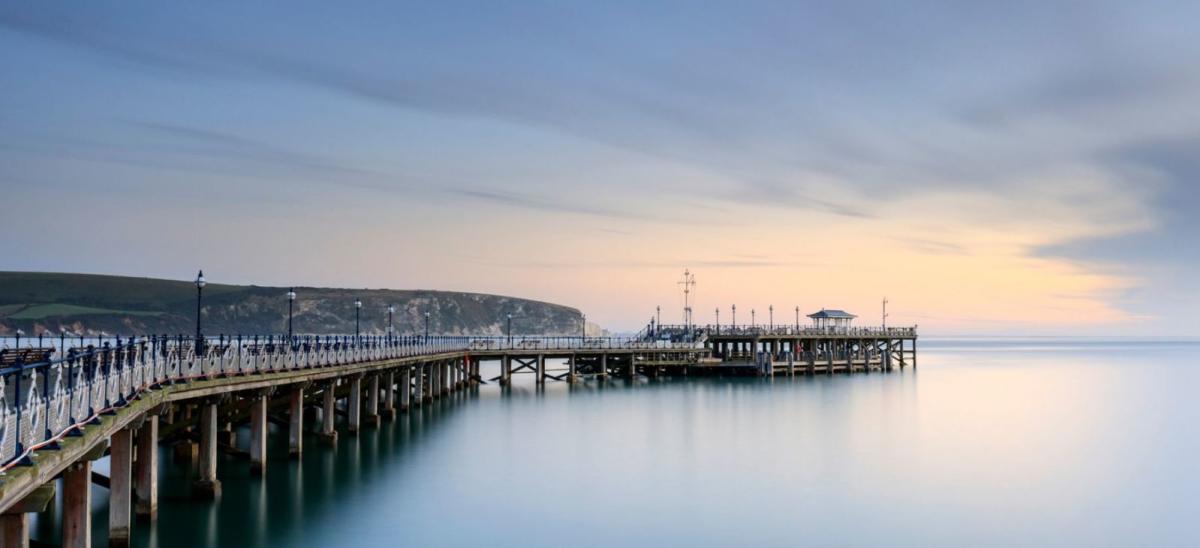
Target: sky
(1014,168)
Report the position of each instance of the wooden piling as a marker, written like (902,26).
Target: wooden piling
(373,401)
(77,505)
(329,413)
(405,388)
(14,530)
(296,422)
(354,405)
(208,487)
(146,504)
(120,490)
(389,395)
(258,433)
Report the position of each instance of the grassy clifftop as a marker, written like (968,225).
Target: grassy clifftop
(91,304)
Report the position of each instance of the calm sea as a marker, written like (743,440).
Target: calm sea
(1006,442)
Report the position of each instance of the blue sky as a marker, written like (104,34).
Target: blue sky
(1011,168)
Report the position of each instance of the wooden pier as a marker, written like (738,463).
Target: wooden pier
(62,408)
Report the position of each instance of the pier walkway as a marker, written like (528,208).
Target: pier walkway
(65,405)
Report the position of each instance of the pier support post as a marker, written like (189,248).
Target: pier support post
(14,522)
(603,366)
(792,363)
(431,376)
(120,488)
(77,505)
(14,530)
(571,375)
(442,369)
(373,401)
(427,384)
(914,353)
(405,388)
(355,404)
(296,422)
(505,370)
(541,369)
(208,486)
(258,433)
(146,505)
(418,372)
(389,395)
(329,413)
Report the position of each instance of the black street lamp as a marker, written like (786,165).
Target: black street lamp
(771,316)
(357,315)
(718,313)
(583,326)
(658,315)
(509,330)
(734,321)
(426,327)
(391,310)
(291,297)
(797,319)
(200,283)
(753,322)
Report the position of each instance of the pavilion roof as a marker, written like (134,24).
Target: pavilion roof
(832,313)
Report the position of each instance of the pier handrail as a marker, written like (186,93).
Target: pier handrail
(43,401)
(792,330)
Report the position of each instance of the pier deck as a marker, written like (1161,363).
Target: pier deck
(72,406)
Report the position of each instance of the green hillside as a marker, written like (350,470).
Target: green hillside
(90,304)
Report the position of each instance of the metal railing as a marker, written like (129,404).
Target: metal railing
(792,330)
(576,343)
(48,392)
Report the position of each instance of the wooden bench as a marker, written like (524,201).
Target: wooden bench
(12,356)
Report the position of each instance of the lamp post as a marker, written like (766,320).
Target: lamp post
(291,296)
(200,283)
(658,315)
(426,326)
(509,330)
(718,313)
(357,314)
(771,317)
(797,319)
(582,326)
(391,311)
(734,321)
(753,322)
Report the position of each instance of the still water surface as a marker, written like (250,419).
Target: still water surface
(989,443)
